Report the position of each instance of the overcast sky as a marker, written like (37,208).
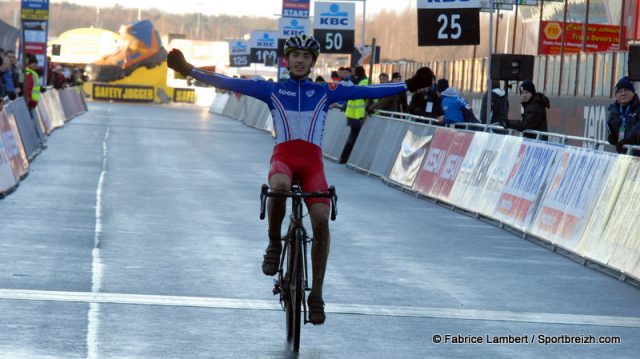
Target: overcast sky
(235,7)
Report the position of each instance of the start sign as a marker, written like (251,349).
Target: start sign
(448,22)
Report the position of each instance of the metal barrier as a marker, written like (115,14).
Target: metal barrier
(591,143)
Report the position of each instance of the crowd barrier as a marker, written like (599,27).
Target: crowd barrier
(578,199)
(23,133)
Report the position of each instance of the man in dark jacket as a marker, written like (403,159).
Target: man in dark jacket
(426,103)
(534,114)
(622,121)
(499,105)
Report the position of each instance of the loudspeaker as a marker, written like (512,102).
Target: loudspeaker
(511,67)
(634,62)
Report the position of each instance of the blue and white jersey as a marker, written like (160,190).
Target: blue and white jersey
(298,107)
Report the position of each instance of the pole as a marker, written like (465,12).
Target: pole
(515,27)
(583,46)
(364,21)
(564,27)
(620,45)
(488,119)
(497,31)
(372,60)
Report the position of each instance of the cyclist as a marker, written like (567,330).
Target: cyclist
(298,108)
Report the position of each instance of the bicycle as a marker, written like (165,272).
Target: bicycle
(292,281)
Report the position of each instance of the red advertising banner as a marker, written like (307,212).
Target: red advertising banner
(434,161)
(598,37)
(452,164)
(442,163)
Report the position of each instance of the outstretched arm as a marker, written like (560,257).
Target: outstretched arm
(259,89)
(422,78)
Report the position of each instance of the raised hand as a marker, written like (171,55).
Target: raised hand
(176,61)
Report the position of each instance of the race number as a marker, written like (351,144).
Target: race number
(448,23)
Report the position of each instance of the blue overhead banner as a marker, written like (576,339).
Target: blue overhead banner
(295,8)
(34,33)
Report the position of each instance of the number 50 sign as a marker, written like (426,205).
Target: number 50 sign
(448,22)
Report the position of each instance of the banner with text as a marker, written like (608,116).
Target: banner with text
(124,93)
(469,189)
(570,197)
(599,38)
(529,177)
(591,245)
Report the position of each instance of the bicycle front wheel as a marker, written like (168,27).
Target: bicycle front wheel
(296,290)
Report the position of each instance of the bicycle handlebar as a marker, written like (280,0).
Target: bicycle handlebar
(297,193)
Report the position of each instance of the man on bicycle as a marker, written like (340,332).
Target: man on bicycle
(299,108)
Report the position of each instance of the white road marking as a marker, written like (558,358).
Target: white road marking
(336,308)
(93,316)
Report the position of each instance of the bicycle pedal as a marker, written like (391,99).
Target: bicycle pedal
(276,288)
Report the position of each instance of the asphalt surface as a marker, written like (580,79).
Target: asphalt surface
(136,235)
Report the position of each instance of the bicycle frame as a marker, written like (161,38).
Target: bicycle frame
(292,283)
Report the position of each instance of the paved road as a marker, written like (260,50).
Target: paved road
(136,235)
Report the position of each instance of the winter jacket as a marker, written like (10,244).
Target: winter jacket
(452,105)
(534,116)
(632,123)
(499,106)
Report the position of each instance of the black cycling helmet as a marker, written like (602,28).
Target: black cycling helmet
(302,42)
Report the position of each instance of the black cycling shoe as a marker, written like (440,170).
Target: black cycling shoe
(271,261)
(316,310)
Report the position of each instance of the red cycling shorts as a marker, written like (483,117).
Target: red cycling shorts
(301,161)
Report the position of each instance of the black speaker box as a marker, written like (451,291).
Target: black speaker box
(634,62)
(511,67)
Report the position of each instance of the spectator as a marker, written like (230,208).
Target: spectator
(356,112)
(7,87)
(622,120)
(453,106)
(401,98)
(320,79)
(15,71)
(391,103)
(426,103)
(346,75)
(31,83)
(345,79)
(335,77)
(58,81)
(534,113)
(499,105)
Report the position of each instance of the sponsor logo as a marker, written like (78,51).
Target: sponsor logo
(334,16)
(266,41)
(294,28)
(287,92)
(184,95)
(239,47)
(123,93)
(311,93)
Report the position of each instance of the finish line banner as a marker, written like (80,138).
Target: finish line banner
(124,93)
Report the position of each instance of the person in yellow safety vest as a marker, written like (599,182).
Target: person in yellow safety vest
(31,82)
(32,95)
(355,113)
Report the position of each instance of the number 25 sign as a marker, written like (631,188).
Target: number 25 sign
(448,22)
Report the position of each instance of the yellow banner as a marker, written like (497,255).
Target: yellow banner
(34,14)
(123,93)
(184,95)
